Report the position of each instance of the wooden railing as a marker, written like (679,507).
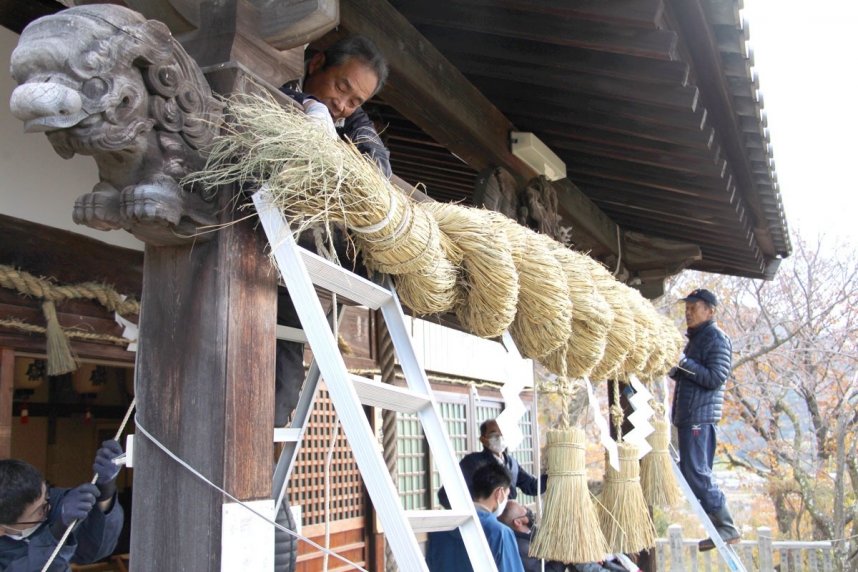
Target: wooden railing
(677,554)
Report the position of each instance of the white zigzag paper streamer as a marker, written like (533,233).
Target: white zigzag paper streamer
(519,371)
(640,418)
(129,331)
(604,429)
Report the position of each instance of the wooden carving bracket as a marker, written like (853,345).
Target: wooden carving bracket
(103,81)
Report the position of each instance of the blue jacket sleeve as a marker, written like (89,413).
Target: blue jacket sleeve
(714,368)
(98,533)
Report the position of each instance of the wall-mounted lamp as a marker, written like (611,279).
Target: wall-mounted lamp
(528,148)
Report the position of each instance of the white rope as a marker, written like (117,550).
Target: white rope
(328,460)
(383,222)
(94,479)
(280,527)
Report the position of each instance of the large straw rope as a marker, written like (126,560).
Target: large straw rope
(313,178)
(621,336)
(591,317)
(543,319)
(645,331)
(488,280)
(61,359)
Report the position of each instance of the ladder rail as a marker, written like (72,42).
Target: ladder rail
(292,262)
(734,563)
(435,432)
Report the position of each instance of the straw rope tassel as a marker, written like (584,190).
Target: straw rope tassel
(569,531)
(657,479)
(60,358)
(623,512)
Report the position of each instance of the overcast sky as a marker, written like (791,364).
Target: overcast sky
(806,54)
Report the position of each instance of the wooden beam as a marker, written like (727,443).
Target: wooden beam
(574,121)
(557,104)
(429,91)
(634,13)
(7,383)
(454,43)
(682,98)
(520,23)
(68,257)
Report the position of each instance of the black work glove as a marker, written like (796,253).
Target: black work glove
(75,505)
(105,469)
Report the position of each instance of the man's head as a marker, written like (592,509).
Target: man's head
(345,75)
(517,517)
(23,497)
(491,437)
(700,307)
(490,486)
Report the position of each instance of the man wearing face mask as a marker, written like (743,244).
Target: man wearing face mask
(490,491)
(494,451)
(520,520)
(34,517)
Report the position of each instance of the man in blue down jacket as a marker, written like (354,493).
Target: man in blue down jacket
(697,401)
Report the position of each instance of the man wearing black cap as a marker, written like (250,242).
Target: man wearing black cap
(697,401)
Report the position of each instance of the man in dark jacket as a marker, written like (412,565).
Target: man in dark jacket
(34,517)
(520,519)
(337,82)
(494,451)
(697,401)
(340,80)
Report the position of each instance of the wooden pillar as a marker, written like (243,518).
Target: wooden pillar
(7,380)
(205,389)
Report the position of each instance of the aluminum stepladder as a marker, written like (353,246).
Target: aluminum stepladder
(734,563)
(349,393)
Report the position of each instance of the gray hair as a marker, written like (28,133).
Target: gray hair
(363,49)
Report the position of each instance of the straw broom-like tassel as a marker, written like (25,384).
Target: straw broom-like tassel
(570,528)
(569,531)
(623,512)
(657,479)
(60,357)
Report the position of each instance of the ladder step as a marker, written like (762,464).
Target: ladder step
(333,278)
(291,334)
(388,396)
(434,520)
(287,434)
